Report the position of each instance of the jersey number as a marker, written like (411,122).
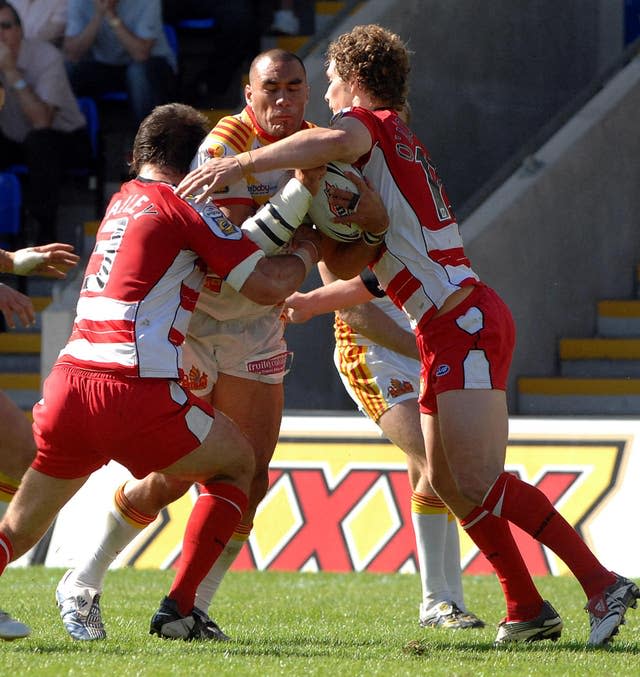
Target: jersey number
(108,249)
(435,184)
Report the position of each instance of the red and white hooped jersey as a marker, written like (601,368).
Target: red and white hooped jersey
(143,278)
(423,259)
(234,134)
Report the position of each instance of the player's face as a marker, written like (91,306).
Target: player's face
(278,93)
(338,94)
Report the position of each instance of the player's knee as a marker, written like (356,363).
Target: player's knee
(240,462)
(472,488)
(259,485)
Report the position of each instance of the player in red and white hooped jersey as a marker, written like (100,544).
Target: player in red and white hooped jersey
(144,277)
(465,332)
(140,287)
(378,362)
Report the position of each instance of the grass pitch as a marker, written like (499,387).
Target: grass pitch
(302,624)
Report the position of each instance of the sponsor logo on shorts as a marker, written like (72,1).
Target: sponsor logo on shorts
(195,379)
(276,364)
(213,284)
(398,387)
(442,370)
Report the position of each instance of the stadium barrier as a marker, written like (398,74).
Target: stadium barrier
(339,501)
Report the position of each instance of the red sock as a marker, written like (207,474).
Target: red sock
(528,508)
(213,519)
(6,552)
(494,538)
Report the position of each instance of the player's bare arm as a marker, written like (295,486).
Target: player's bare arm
(300,307)
(52,260)
(347,141)
(370,321)
(276,277)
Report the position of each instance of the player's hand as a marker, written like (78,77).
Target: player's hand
(297,308)
(311,178)
(15,305)
(369,213)
(305,231)
(211,176)
(51,260)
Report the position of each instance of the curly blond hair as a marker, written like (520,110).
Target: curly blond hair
(377,60)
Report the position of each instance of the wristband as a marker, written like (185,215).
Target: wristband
(373,239)
(19,85)
(305,257)
(246,163)
(26,260)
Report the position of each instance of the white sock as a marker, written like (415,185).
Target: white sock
(452,568)
(431,532)
(211,582)
(117,534)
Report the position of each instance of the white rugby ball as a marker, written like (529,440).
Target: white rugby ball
(324,208)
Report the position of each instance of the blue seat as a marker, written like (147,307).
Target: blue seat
(197,24)
(89,109)
(10,209)
(93,171)
(172,38)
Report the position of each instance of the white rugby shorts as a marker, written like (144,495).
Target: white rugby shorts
(377,378)
(253,349)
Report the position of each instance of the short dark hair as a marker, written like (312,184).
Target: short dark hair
(377,60)
(169,137)
(277,54)
(12,9)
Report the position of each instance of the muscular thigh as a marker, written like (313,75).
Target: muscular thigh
(256,408)
(17,447)
(474,431)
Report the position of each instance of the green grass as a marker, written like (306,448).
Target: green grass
(302,624)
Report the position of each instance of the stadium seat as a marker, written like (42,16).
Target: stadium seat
(197,24)
(90,111)
(10,209)
(93,171)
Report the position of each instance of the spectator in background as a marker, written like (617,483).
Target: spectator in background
(41,125)
(43,19)
(285,20)
(120,45)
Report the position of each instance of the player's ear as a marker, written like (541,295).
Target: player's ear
(247,94)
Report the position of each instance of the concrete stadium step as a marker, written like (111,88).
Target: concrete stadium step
(600,358)
(21,342)
(22,388)
(619,318)
(558,396)
(24,399)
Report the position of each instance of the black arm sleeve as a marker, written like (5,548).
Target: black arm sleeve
(371,283)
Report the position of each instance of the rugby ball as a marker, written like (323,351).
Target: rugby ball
(325,205)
